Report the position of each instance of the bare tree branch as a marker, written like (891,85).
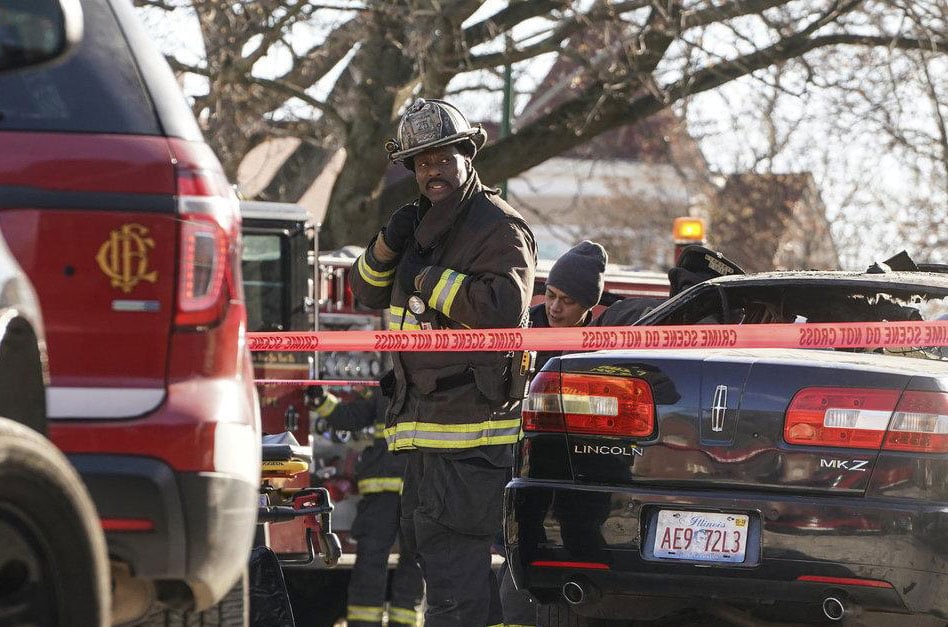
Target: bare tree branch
(504,20)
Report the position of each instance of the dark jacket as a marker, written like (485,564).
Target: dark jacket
(377,470)
(481,259)
(625,312)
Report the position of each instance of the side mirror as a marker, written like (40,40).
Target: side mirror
(33,32)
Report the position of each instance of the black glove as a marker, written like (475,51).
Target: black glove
(400,230)
(409,267)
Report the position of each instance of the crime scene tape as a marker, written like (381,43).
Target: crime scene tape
(808,335)
(334,382)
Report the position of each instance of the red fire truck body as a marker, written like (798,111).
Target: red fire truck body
(279,286)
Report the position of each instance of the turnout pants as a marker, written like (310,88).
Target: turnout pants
(375,529)
(520,608)
(450,512)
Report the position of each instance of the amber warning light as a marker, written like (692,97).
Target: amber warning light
(688,230)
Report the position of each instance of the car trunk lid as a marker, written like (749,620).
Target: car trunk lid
(720,420)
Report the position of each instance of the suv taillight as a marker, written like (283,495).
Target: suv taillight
(920,423)
(589,404)
(210,235)
(844,417)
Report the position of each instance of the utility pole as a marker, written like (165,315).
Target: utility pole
(508,105)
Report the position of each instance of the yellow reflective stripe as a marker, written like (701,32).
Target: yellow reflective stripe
(327,406)
(415,442)
(402,320)
(445,290)
(409,435)
(365,613)
(451,294)
(374,485)
(470,427)
(370,276)
(402,616)
(379,427)
(439,287)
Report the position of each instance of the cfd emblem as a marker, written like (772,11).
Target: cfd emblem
(124,257)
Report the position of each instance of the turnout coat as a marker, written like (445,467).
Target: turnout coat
(481,259)
(377,469)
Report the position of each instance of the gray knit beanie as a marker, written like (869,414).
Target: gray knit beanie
(579,273)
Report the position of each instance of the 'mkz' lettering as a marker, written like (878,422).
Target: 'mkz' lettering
(845,464)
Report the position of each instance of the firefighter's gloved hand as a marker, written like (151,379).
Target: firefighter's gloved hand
(408,269)
(400,230)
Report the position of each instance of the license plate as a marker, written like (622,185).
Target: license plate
(701,536)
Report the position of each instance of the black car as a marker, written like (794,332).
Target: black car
(810,484)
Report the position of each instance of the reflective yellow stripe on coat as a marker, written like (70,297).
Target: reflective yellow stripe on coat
(374,485)
(327,406)
(411,435)
(396,323)
(442,296)
(373,277)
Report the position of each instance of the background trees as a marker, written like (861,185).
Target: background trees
(840,87)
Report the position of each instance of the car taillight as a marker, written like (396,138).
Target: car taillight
(543,408)
(843,417)
(210,224)
(589,404)
(920,423)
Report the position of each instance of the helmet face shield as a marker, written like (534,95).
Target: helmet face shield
(430,124)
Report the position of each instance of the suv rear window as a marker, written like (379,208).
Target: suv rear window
(97,90)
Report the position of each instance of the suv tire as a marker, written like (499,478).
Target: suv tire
(52,538)
(231,611)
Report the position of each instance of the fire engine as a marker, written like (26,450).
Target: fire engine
(291,286)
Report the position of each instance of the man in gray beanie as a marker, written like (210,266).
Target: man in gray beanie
(573,287)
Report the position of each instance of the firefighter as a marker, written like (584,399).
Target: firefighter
(573,288)
(458,257)
(376,525)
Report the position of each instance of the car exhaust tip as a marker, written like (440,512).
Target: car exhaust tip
(833,609)
(574,593)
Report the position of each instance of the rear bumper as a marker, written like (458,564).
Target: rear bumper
(195,527)
(604,529)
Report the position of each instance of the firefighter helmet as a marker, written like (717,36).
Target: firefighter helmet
(430,124)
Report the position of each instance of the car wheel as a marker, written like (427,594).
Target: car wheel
(562,615)
(230,611)
(53,561)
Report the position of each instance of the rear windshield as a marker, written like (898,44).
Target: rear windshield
(97,90)
(783,302)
